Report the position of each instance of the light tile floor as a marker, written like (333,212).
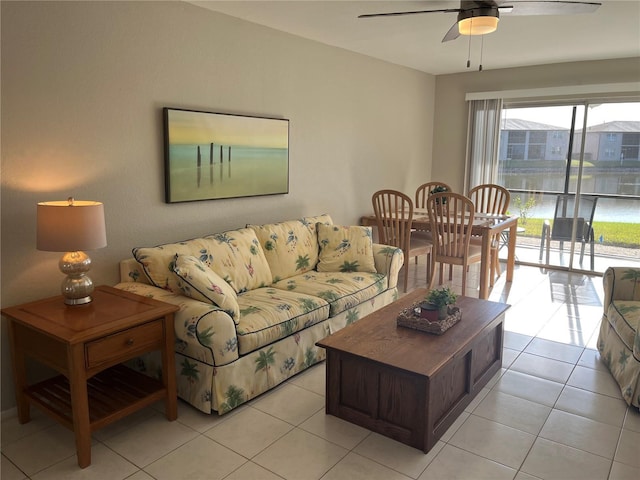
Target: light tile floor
(553,412)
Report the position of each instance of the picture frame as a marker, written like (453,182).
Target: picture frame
(210,155)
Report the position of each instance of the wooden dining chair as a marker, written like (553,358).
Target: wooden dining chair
(394,215)
(451,216)
(422,193)
(494,199)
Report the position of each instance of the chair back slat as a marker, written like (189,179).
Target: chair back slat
(490,198)
(424,191)
(451,216)
(394,214)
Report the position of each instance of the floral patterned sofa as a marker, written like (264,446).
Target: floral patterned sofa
(254,301)
(619,337)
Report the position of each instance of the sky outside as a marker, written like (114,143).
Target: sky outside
(558,116)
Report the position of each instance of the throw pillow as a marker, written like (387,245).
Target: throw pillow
(236,255)
(198,281)
(290,247)
(345,249)
(157,262)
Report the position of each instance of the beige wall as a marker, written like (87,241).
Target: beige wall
(83,84)
(451,114)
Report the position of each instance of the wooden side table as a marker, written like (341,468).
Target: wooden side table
(87,344)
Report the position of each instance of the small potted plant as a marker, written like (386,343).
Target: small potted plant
(438,189)
(436,304)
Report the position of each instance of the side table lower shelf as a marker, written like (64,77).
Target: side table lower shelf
(113,394)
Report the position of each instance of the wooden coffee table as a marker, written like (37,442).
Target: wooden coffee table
(410,385)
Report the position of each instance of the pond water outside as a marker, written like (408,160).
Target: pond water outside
(624,210)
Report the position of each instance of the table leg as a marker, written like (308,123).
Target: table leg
(485,264)
(19,376)
(511,252)
(80,404)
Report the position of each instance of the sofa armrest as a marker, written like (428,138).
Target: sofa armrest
(388,260)
(132,271)
(202,330)
(620,283)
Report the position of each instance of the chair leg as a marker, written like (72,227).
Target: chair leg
(433,273)
(492,268)
(548,241)
(406,275)
(464,279)
(542,238)
(441,273)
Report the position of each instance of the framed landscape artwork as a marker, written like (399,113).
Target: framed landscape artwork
(218,155)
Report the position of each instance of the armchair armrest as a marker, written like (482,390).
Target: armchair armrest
(388,260)
(202,330)
(620,283)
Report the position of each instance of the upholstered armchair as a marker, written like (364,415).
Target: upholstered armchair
(619,338)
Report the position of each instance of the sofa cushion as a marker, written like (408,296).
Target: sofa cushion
(196,280)
(345,249)
(239,259)
(290,247)
(269,314)
(624,317)
(235,255)
(325,219)
(342,290)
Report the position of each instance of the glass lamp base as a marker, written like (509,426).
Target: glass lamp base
(77,286)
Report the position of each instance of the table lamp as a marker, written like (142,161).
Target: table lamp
(72,226)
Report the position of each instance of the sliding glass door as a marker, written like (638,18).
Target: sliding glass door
(574,175)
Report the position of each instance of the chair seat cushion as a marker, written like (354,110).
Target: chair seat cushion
(475,252)
(419,241)
(342,290)
(269,314)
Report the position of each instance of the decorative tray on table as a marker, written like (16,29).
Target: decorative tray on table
(411,318)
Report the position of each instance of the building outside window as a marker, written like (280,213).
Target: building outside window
(532,163)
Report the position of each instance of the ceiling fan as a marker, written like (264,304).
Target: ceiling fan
(481,17)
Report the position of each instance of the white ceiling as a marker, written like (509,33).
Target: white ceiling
(414,41)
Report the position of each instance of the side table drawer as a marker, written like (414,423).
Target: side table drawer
(124,345)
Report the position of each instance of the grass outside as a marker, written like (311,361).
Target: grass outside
(613,233)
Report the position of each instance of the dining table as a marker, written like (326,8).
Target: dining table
(485,225)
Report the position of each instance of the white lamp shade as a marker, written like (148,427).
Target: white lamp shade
(478,25)
(70,226)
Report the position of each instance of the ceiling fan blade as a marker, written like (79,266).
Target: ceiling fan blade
(548,7)
(397,14)
(452,34)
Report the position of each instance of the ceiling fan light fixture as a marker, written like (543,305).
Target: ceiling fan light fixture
(478,25)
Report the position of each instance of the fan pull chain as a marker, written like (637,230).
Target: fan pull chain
(481,50)
(469,51)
